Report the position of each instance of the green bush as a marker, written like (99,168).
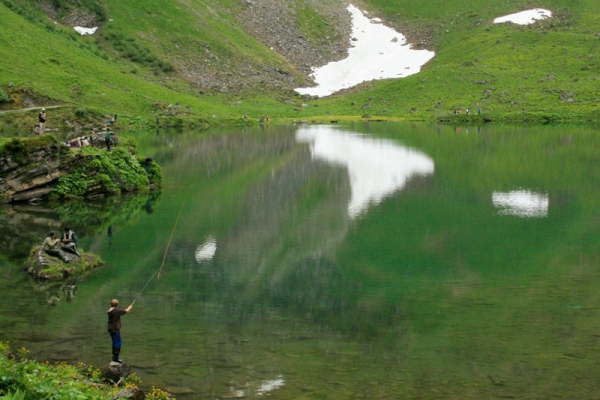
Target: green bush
(153,170)
(4,98)
(114,172)
(16,148)
(80,113)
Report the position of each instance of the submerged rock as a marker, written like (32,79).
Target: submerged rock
(42,266)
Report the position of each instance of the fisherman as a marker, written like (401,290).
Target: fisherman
(114,327)
(49,246)
(69,241)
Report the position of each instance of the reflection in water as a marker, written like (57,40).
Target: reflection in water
(377,168)
(206,251)
(522,203)
(269,386)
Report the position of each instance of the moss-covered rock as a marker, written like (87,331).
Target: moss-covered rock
(42,266)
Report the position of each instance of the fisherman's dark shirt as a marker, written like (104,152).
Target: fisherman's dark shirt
(114,319)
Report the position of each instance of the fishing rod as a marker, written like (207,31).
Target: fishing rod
(158,271)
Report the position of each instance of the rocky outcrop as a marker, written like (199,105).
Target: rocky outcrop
(279,26)
(27,167)
(276,24)
(30,170)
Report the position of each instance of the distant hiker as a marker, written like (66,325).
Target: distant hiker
(42,121)
(69,241)
(107,137)
(114,327)
(49,246)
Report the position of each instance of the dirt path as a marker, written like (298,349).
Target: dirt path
(31,108)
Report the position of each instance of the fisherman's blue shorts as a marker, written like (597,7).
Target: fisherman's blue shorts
(116,339)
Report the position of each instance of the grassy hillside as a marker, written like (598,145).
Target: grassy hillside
(550,68)
(200,53)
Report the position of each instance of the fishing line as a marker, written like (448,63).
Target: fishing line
(173,231)
(140,293)
(158,271)
(24,230)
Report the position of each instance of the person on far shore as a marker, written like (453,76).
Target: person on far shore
(42,121)
(107,137)
(114,327)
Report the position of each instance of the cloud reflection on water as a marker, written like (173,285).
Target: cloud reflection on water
(206,251)
(376,167)
(521,203)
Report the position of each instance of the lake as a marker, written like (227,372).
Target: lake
(370,260)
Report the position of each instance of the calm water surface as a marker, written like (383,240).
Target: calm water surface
(375,261)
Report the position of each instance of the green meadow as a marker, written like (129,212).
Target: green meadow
(135,64)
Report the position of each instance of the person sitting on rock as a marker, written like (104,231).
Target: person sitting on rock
(49,246)
(69,241)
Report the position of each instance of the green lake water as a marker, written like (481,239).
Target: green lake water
(374,261)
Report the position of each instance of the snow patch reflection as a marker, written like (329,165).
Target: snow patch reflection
(206,251)
(522,203)
(377,168)
(269,386)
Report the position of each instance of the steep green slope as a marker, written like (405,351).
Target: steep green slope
(59,65)
(203,55)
